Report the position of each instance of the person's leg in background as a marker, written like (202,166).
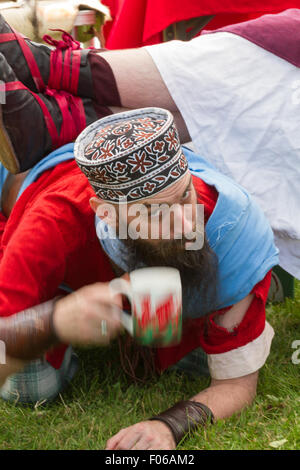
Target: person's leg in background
(138,81)
(33,124)
(126,78)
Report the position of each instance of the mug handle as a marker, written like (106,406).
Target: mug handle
(120,286)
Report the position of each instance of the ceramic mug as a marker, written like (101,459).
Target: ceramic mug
(155,295)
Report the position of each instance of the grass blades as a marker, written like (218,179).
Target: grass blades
(102,400)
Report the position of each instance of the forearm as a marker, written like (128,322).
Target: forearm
(221,400)
(25,336)
(145,86)
(28,334)
(226,397)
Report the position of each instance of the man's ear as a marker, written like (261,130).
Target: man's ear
(95,203)
(105,211)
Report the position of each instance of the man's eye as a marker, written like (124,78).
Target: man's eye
(155,212)
(186,195)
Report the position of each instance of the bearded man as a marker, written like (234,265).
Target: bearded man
(234,92)
(136,156)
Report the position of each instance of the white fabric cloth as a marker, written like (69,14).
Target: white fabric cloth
(244,360)
(241,105)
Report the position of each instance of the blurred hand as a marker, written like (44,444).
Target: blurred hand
(87,316)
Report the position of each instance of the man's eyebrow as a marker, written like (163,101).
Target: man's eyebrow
(188,186)
(148,206)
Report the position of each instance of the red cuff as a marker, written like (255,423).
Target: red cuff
(205,333)
(216,339)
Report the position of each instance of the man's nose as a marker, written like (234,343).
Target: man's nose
(183,219)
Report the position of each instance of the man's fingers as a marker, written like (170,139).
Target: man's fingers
(136,437)
(113,442)
(143,443)
(89,316)
(126,439)
(105,330)
(101,292)
(96,325)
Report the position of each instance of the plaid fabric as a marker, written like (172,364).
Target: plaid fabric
(39,381)
(195,364)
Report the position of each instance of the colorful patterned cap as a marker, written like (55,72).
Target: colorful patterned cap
(132,155)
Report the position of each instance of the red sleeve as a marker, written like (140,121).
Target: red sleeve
(3,221)
(36,251)
(213,339)
(43,239)
(32,265)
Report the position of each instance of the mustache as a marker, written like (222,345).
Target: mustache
(163,250)
(198,270)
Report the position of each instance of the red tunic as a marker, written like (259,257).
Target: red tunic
(141,22)
(50,239)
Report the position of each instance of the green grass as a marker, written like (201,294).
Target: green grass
(102,400)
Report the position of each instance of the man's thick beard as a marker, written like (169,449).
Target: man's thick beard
(198,270)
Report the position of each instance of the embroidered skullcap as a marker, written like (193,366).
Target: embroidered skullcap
(131,155)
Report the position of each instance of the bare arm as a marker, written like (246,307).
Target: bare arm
(222,397)
(74,319)
(145,88)
(138,80)
(226,397)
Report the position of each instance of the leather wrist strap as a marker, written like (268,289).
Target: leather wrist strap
(185,417)
(30,333)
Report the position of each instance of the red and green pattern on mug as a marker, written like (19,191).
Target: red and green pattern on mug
(155,295)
